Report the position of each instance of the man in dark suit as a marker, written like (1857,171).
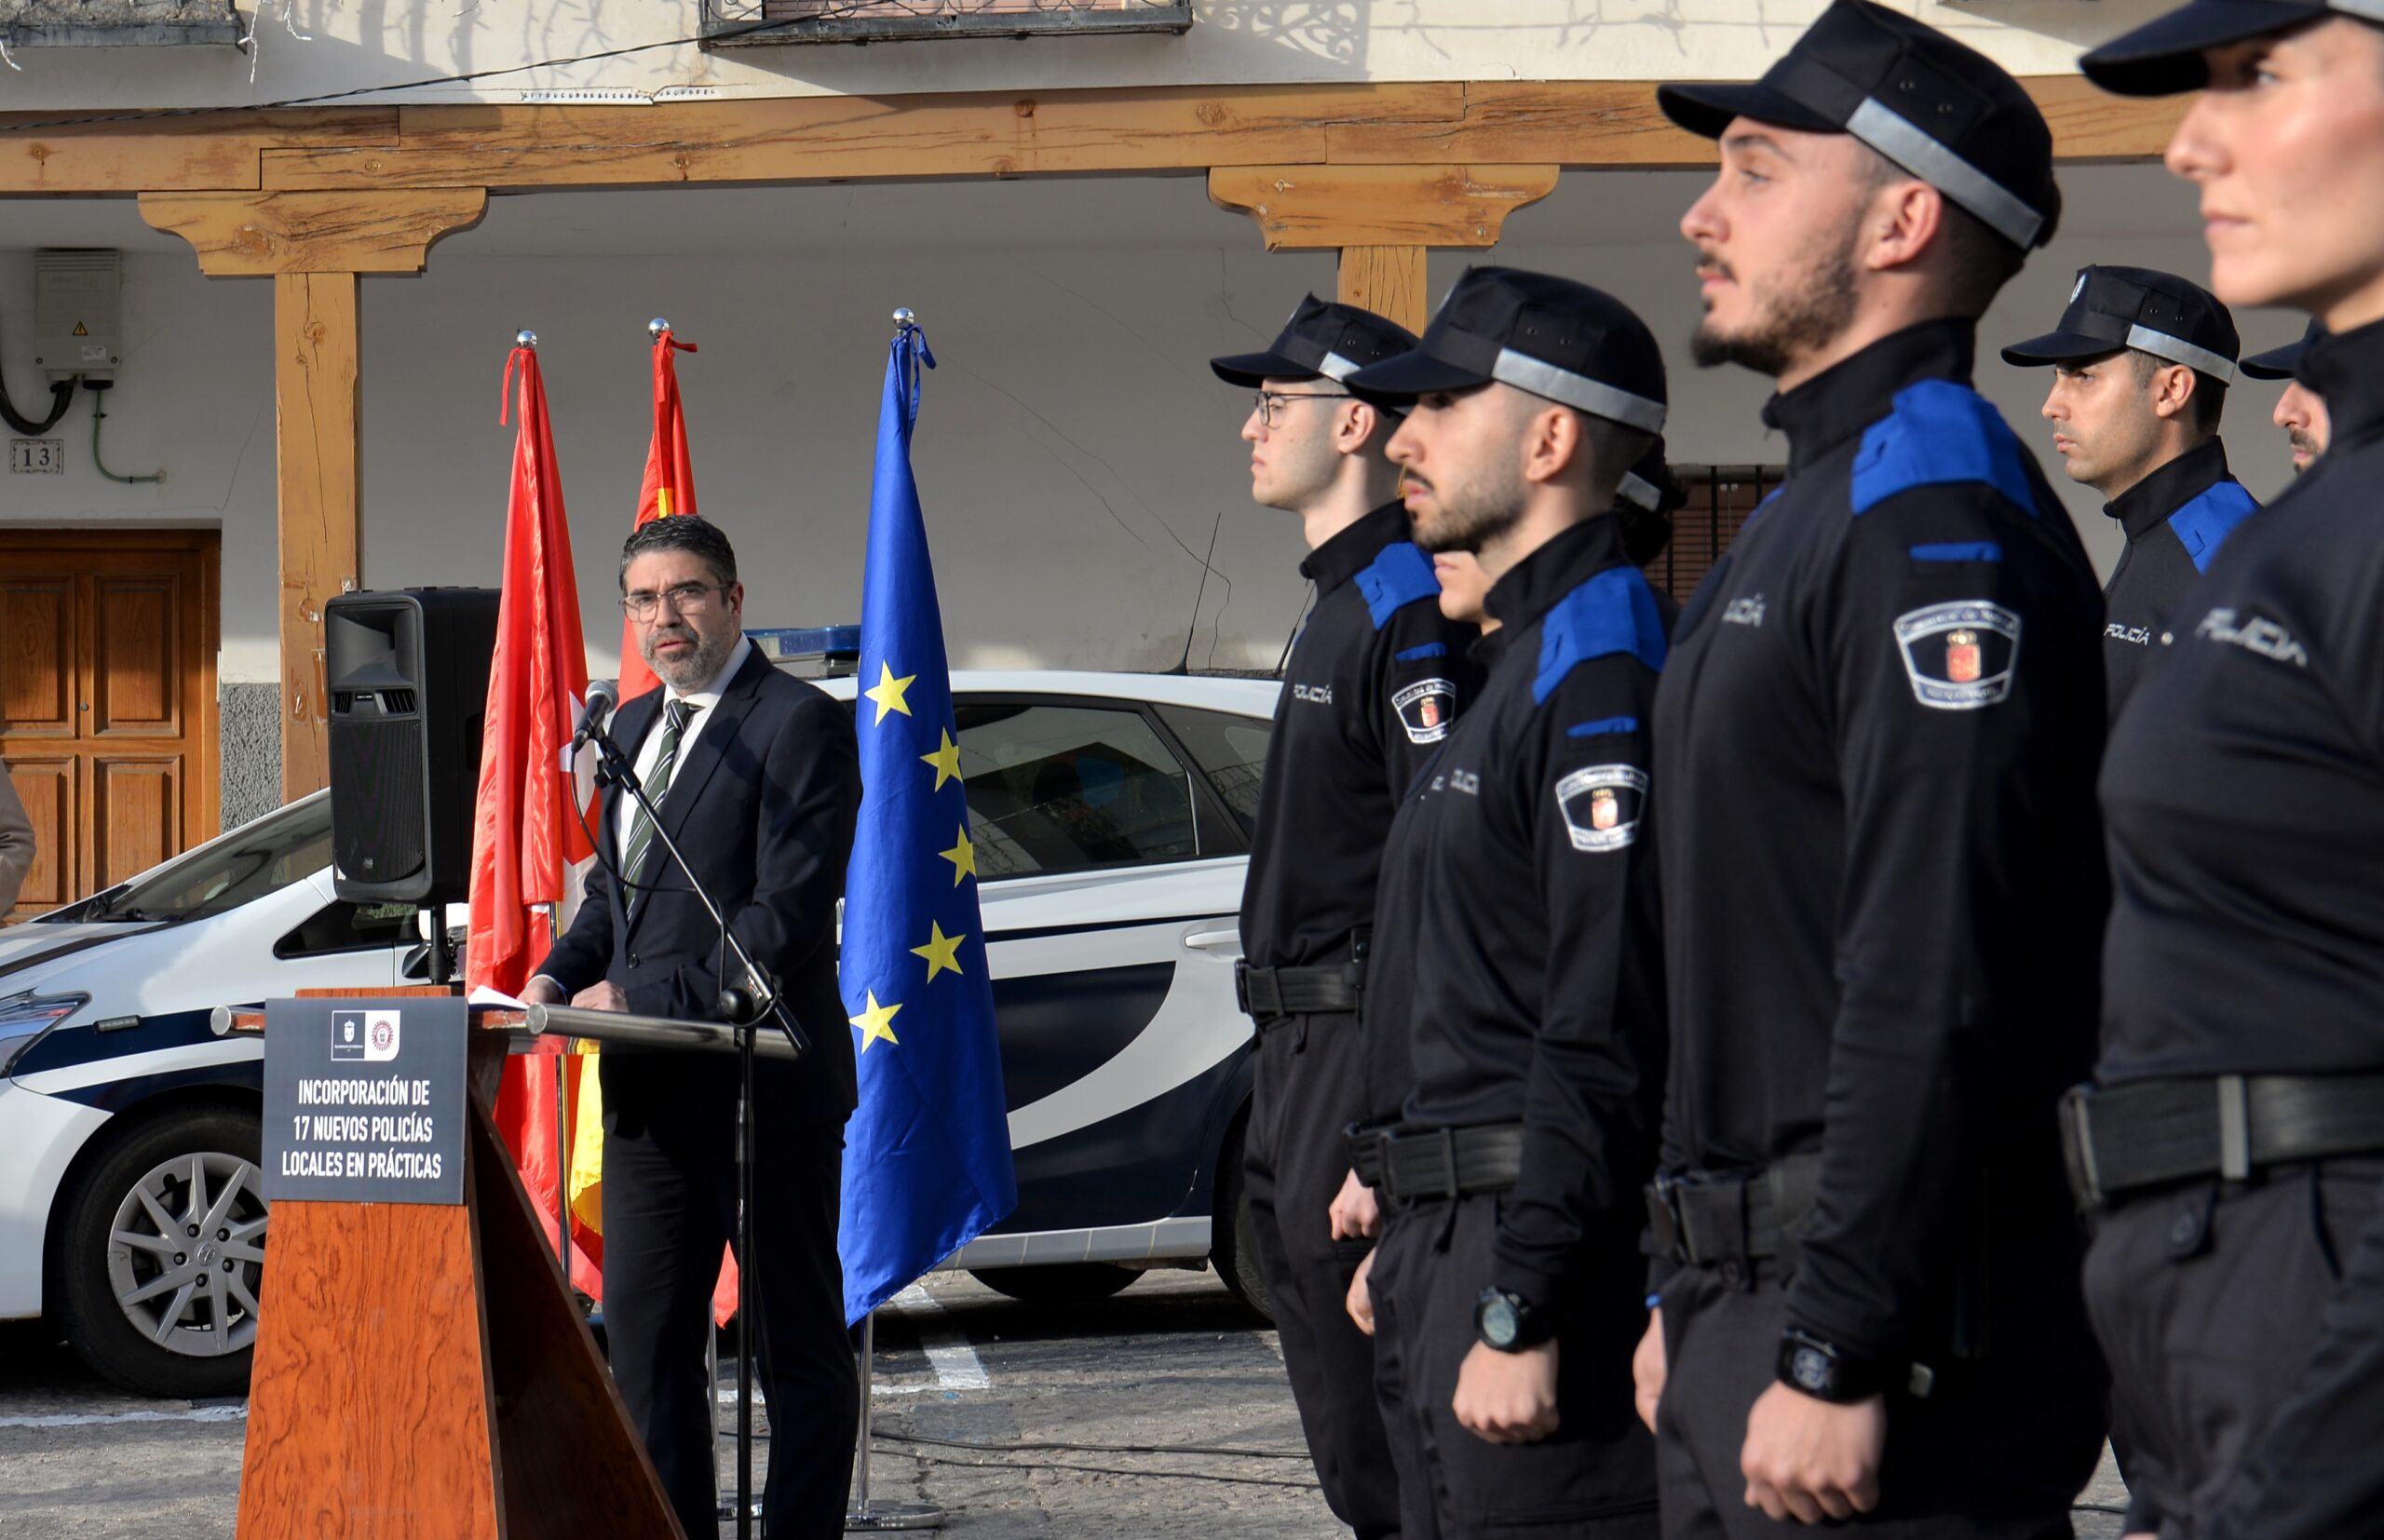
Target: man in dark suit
(757,780)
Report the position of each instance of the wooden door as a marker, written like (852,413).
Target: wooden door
(107,700)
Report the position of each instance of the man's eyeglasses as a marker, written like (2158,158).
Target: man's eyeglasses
(1270,400)
(685,598)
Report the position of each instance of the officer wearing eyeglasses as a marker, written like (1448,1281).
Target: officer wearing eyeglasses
(1370,689)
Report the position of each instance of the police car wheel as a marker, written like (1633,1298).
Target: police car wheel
(156,1257)
(1234,1250)
(1062,1283)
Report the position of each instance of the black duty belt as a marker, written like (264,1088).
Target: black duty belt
(1425,1163)
(1720,1219)
(1269,993)
(2121,1138)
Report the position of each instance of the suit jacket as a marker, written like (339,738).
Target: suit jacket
(16,843)
(761,805)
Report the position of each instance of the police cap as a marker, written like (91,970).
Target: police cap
(1945,113)
(2164,57)
(2112,308)
(1320,341)
(2278,363)
(1566,342)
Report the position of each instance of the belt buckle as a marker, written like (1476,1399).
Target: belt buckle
(2077,1148)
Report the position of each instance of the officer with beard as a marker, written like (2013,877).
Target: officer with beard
(2301,412)
(1516,934)
(1876,747)
(1370,689)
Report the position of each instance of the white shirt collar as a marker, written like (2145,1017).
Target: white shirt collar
(709,696)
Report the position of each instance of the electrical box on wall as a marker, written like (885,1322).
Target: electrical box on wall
(79,303)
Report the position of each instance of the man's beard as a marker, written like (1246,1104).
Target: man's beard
(2302,444)
(1472,513)
(692,670)
(1797,321)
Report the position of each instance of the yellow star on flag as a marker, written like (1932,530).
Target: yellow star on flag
(874,1022)
(887,690)
(946,761)
(962,858)
(942,951)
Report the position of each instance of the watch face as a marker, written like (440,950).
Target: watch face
(1498,1322)
(1811,1368)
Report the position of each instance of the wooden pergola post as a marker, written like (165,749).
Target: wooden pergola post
(1383,220)
(316,247)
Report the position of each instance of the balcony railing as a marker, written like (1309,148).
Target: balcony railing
(772,24)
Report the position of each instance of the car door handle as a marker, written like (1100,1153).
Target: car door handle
(1214,941)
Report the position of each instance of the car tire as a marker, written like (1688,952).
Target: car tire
(1234,1251)
(117,1276)
(1062,1283)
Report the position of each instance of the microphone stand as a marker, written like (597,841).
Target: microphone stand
(743,1008)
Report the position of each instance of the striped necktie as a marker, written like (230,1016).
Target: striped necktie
(657,786)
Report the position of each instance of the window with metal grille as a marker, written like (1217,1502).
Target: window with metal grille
(1720,498)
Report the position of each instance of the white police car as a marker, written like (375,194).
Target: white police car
(1111,813)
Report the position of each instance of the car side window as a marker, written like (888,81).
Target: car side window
(344,927)
(1066,787)
(1231,751)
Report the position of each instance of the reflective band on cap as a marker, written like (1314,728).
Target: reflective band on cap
(2372,9)
(1594,397)
(1640,492)
(1333,366)
(2179,351)
(1895,136)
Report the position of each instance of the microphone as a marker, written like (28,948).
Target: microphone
(603,696)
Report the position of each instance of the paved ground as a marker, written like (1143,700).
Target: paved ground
(1160,1413)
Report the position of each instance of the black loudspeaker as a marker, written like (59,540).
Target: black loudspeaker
(407,672)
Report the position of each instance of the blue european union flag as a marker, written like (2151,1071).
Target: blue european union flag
(927,1153)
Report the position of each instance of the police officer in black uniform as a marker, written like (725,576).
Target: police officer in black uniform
(1875,747)
(1370,689)
(1516,934)
(2233,1144)
(2141,365)
(2301,412)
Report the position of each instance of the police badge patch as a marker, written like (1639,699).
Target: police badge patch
(1959,656)
(1426,708)
(1601,805)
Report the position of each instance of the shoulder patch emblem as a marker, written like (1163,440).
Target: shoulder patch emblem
(1426,708)
(1959,656)
(1601,805)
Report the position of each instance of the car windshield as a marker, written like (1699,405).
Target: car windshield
(262,857)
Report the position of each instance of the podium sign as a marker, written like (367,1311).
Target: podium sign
(365,1100)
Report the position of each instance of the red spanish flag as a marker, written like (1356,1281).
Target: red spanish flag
(527,829)
(669,486)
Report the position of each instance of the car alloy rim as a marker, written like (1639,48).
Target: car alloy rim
(184,1255)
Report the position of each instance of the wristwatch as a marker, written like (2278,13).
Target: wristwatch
(1508,1322)
(1826,1371)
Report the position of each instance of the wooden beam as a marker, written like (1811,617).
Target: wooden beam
(1387,281)
(1575,123)
(253,234)
(59,151)
(316,418)
(1309,208)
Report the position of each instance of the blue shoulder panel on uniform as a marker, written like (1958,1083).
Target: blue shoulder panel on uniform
(1614,611)
(1939,434)
(1959,551)
(2203,524)
(1429,649)
(1399,576)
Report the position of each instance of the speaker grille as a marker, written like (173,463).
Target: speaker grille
(377,829)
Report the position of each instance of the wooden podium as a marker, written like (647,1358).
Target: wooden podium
(421,1373)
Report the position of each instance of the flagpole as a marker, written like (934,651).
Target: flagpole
(867,1513)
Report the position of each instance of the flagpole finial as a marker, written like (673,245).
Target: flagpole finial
(655,327)
(904,318)
(525,338)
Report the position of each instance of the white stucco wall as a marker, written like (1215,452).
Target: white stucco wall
(1075,454)
(395,49)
